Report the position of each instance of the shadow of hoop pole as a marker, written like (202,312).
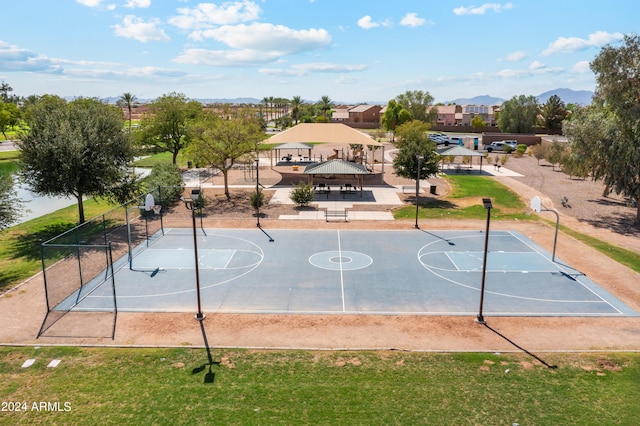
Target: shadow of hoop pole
(265,233)
(520,347)
(210,376)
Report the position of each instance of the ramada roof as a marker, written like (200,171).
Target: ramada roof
(324,133)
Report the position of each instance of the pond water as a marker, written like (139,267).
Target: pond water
(37,205)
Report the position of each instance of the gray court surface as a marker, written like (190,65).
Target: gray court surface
(412,272)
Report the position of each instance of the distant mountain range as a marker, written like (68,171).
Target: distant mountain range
(568,96)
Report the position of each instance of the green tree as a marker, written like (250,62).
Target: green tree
(75,149)
(539,151)
(127,100)
(394,116)
(618,88)
(166,126)
(553,113)
(518,114)
(4,93)
(168,178)
(10,205)
(555,153)
(296,103)
(477,122)
(223,142)
(418,103)
(302,194)
(593,133)
(325,106)
(9,117)
(413,140)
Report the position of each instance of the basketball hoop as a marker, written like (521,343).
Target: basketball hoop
(156,209)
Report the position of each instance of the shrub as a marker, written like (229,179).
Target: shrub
(168,178)
(302,194)
(257,199)
(521,149)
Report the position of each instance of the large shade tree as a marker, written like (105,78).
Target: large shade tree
(413,140)
(518,114)
(166,126)
(617,102)
(418,103)
(553,112)
(394,116)
(222,143)
(75,149)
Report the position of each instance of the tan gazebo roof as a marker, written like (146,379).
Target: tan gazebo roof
(323,133)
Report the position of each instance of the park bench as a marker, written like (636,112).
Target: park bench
(341,214)
(412,188)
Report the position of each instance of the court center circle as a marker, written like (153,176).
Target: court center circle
(340,260)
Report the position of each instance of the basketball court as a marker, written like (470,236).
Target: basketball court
(412,272)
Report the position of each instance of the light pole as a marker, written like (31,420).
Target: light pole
(419,158)
(190,204)
(487,205)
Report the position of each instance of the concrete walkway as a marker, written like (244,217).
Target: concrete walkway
(336,201)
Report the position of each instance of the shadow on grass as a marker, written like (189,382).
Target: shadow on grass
(546,364)
(209,376)
(27,245)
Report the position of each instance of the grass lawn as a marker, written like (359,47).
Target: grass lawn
(174,386)
(465,201)
(161,158)
(20,244)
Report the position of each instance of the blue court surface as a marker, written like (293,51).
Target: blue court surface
(412,272)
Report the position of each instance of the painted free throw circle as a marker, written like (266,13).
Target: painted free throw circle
(340,260)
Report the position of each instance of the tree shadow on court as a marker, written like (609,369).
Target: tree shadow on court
(546,364)
(210,375)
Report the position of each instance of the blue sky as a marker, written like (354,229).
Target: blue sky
(352,51)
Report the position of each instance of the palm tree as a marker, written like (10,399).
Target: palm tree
(296,102)
(265,101)
(128,100)
(271,105)
(325,105)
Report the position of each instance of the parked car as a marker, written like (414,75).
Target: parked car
(501,146)
(440,139)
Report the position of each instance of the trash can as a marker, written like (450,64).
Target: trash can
(475,144)
(432,189)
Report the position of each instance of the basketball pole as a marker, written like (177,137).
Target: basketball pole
(190,205)
(487,205)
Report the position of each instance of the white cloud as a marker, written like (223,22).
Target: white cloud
(89,3)
(367,23)
(536,68)
(573,44)
(412,20)
(315,67)
(207,15)
(138,3)
(481,10)
(269,38)
(14,58)
(138,29)
(581,67)
(515,56)
(537,65)
(226,58)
